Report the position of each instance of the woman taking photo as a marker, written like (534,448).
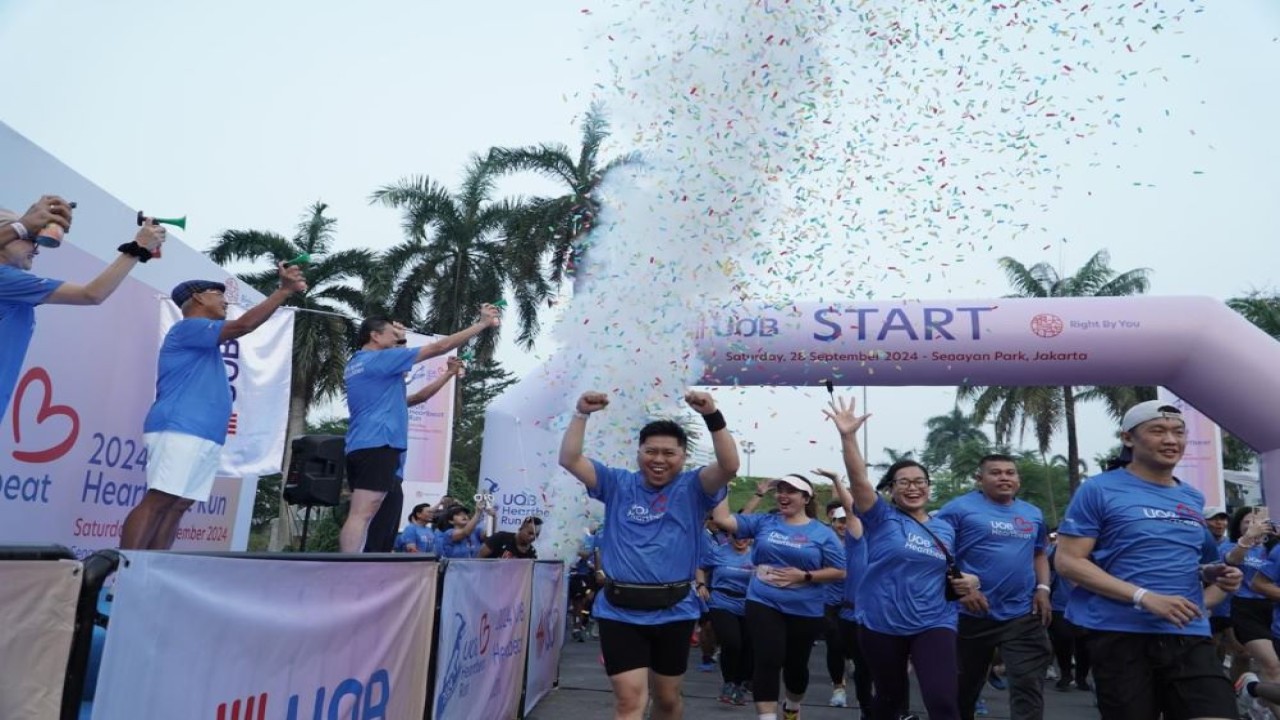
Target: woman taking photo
(795,555)
(902,603)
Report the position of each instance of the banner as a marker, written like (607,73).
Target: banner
(260,369)
(37,624)
(480,652)
(1201,464)
(547,613)
(426,463)
(218,638)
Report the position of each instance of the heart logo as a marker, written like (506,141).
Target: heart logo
(47,410)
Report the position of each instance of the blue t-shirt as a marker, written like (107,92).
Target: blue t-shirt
(810,547)
(855,567)
(1271,571)
(902,591)
(1150,535)
(1059,587)
(1223,609)
(376,404)
(654,537)
(20,292)
(730,571)
(1255,557)
(193,395)
(422,537)
(998,543)
(467,547)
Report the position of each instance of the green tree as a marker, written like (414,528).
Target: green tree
(1044,485)
(1050,408)
(483,381)
(554,226)
(946,434)
(1261,309)
(456,257)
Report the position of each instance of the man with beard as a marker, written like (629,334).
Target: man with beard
(646,610)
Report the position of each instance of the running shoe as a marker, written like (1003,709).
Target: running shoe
(838,698)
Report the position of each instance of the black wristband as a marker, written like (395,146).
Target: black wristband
(134,249)
(759,494)
(808,576)
(715,421)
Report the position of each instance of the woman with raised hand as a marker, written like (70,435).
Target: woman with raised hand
(795,555)
(902,603)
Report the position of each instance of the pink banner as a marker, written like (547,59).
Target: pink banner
(426,465)
(1201,465)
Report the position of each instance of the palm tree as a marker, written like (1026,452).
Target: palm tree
(322,338)
(455,258)
(554,225)
(947,433)
(1049,408)
(1261,310)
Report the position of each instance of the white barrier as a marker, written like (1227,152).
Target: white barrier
(484,626)
(263,639)
(548,609)
(37,625)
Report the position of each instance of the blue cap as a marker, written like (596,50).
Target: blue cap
(183,291)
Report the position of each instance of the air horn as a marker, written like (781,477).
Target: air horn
(180,222)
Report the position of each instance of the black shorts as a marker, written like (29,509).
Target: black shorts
(373,468)
(580,584)
(664,648)
(1138,676)
(1219,624)
(1251,619)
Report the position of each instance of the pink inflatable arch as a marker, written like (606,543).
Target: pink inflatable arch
(1199,348)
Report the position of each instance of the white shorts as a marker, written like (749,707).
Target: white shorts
(181,465)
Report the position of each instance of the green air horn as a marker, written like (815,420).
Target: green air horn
(302,259)
(180,223)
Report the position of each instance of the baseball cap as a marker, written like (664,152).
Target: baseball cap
(796,481)
(1147,411)
(183,291)
(1214,511)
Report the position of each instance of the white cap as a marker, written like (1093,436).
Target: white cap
(796,481)
(837,513)
(1147,411)
(1214,511)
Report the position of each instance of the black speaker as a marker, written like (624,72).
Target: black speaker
(316,471)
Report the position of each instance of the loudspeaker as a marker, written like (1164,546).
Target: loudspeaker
(316,471)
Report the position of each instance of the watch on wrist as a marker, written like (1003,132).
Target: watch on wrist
(808,576)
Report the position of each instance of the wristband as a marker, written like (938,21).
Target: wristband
(1044,587)
(133,249)
(1248,546)
(701,584)
(1137,598)
(21,230)
(808,576)
(582,415)
(759,494)
(715,421)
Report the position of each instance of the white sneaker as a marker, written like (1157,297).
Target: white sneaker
(838,698)
(1051,673)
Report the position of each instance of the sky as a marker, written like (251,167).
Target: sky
(240,115)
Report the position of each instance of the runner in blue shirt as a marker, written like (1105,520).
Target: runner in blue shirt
(186,426)
(582,584)
(1218,520)
(904,610)
(1069,647)
(378,432)
(855,552)
(1265,584)
(832,638)
(1252,538)
(722,577)
(418,536)
(796,557)
(645,610)
(1002,540)
(462,539)
(1134,541)
(21,291)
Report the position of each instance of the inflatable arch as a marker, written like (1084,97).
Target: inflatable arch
(1198,348)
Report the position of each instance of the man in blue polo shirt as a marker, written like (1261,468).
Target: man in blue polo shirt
(1134,541)
(645,611)
(21,291)
(378,433)
(187,424)
(1002,540)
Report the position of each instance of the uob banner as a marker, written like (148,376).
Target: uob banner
(216,638)
(480,653)
(426,462)
(72,461)
(546,630)
(37,620)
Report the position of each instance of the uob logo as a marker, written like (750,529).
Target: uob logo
(466,658)
(349,698)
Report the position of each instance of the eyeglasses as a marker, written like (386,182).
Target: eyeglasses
(905,483)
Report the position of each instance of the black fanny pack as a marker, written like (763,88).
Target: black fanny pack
(632,596)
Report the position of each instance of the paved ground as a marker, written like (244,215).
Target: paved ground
(584,693)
